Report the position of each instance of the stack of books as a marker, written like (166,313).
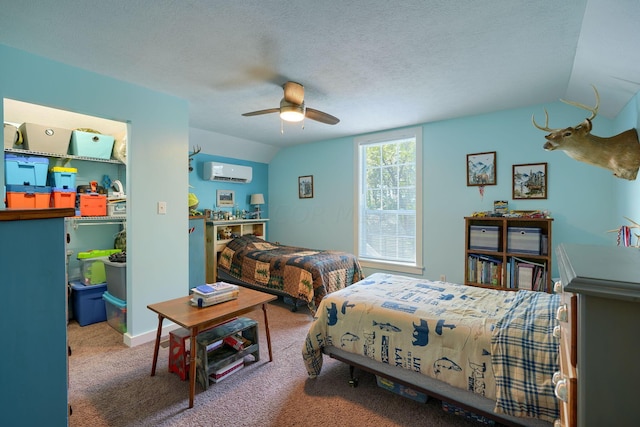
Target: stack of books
(215,293)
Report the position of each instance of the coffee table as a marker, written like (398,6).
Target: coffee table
(196,320)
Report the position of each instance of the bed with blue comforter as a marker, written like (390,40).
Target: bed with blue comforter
(495,346)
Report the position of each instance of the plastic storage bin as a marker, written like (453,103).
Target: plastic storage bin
(28,197)
(87,303)
(92,204)
(24,170)
(523,240)
(116,312)
(92,265)
(401,389)
(88,144)
(116,279)
(484,237)
(46,139)
(63,198)
(60,177)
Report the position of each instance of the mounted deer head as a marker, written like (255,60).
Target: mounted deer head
(196,150)
(619,153)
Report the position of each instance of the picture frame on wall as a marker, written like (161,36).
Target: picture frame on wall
(305,187)
(225,198)
(530,181)
(481,169)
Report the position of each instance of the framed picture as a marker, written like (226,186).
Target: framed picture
(481,169)
(530,181)
(225,198)
(305,187)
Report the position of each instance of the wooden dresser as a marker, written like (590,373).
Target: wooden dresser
(599,335)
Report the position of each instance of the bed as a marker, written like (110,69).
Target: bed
(488,351)
(305,275)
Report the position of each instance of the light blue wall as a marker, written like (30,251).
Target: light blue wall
(206,190)
(157,258)
(581,198)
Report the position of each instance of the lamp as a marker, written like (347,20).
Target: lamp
(291,112)
(257,199)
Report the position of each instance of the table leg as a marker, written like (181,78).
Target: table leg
(157,347)
(192,366)
(266,328)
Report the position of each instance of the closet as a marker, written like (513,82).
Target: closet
(83,233)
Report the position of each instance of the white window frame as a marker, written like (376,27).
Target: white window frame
(381,137)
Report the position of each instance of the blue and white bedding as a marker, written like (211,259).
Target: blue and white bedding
(494,343)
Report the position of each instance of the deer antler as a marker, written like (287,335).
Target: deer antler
(196,150)
(546,122)
(594,110)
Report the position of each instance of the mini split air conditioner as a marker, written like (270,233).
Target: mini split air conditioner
(214,171)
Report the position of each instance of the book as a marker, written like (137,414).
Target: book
(525,276)
(238,342)
(214,288)
(201,301)
(227,370)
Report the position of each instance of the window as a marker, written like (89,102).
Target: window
(389,200)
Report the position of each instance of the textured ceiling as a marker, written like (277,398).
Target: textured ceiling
(374,64)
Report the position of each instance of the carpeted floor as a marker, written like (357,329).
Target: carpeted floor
(110,385)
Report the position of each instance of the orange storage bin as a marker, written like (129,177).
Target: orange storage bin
(28,197)
(93,204)
(63,198)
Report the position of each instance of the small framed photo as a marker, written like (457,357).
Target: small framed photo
(225,198)
(305,187)
(481,169)
(530,181)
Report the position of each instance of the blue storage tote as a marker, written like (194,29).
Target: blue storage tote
(484,237)
(88,144)
(523,240)
(116,312)
(88,305)
(23,170)
(60,177)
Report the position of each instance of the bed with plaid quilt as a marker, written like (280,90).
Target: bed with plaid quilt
(497,344)
(303,274)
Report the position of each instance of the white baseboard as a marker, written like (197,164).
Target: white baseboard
(150,336)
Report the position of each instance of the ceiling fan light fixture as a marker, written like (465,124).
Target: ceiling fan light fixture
(291,112)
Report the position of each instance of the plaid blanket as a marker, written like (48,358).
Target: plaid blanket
(525,356)
(305,274)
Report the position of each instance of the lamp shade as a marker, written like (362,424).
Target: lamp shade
(257,199)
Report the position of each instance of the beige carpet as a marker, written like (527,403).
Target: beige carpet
(110,385)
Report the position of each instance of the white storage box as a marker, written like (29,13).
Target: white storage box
(10,135)
(484,237)
(523,240)
(47,139)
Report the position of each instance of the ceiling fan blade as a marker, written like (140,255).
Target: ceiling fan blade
(321,116)
(259,112)
(293,93)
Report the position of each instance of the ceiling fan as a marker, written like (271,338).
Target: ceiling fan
(292,108)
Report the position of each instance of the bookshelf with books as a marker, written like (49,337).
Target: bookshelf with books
(508,253)
(221,351)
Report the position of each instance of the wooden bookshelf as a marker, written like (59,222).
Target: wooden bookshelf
(499,251)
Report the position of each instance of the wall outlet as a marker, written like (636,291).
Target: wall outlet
(162,208)
(443,278)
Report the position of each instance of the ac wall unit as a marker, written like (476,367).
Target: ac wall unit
(215,171)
